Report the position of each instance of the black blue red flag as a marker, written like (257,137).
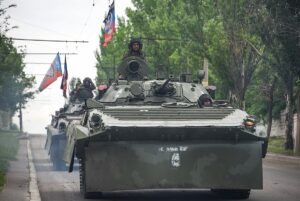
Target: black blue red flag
(64,80)
(109,23)
(52,74)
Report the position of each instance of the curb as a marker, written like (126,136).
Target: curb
(33,187)
(283,158)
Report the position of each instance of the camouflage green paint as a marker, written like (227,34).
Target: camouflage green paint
(153,165)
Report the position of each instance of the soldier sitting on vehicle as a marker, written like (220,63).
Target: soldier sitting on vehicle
(84,91)
(88,84)
(204,101)
(135,49)
(133,66)
(74,91)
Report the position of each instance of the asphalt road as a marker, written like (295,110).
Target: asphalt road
(281,182)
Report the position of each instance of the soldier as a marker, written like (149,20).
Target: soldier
(84,91)
(204,101)
(135,49)
(88,84)
(74,91)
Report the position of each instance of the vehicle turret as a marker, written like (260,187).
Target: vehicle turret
(133,69)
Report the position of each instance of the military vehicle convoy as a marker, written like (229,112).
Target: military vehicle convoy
(56,131)
(164,134)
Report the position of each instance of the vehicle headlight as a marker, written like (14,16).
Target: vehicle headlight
(95,121)
(62,127)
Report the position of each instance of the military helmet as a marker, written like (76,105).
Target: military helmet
(87,81)
(135,40)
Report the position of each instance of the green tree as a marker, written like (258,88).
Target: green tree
(172,32)
(278,27)
(238,37)
(234,51)
(14,84)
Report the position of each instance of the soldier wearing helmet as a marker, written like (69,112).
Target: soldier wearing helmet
(74,91)
(135,49)
(88,84)
(83,91)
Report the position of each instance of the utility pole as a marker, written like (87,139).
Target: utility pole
(20,117)
(205,68)
(241,93)
(297,134)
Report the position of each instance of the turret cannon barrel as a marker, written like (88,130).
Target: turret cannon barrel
(133,68)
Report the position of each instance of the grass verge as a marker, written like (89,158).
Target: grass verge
(276,146)
(9,145)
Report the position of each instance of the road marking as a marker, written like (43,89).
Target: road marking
(33,187)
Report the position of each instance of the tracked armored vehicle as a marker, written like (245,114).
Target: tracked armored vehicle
(56,131)
(164,134)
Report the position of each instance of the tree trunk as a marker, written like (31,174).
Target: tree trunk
(297,138)
(270,108)
(237,99)
(289,144)
(1,119)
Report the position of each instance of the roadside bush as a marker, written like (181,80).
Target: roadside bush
(9,145)
(276,145)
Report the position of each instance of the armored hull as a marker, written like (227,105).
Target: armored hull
(169,148)
(55,144)
(161,134)
(56,134)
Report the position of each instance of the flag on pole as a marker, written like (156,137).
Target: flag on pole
(64,80)
(109,25)
(52,74)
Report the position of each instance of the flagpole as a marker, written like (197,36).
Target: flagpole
(114,63)
(114,56)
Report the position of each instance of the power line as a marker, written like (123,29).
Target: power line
(167,39)
(39,63)
(87,19)
(35,74)
(170,39)
(45,40)
(39,27)
(48,53)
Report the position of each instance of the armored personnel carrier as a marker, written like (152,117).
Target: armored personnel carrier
(164,134)
(56,131)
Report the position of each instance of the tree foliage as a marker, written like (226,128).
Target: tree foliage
(252,47)
(278,27)
(14,84)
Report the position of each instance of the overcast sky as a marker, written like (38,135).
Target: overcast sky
(60,20)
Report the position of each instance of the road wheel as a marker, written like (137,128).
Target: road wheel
(233,193)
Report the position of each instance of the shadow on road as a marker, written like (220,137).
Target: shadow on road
(169,195)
